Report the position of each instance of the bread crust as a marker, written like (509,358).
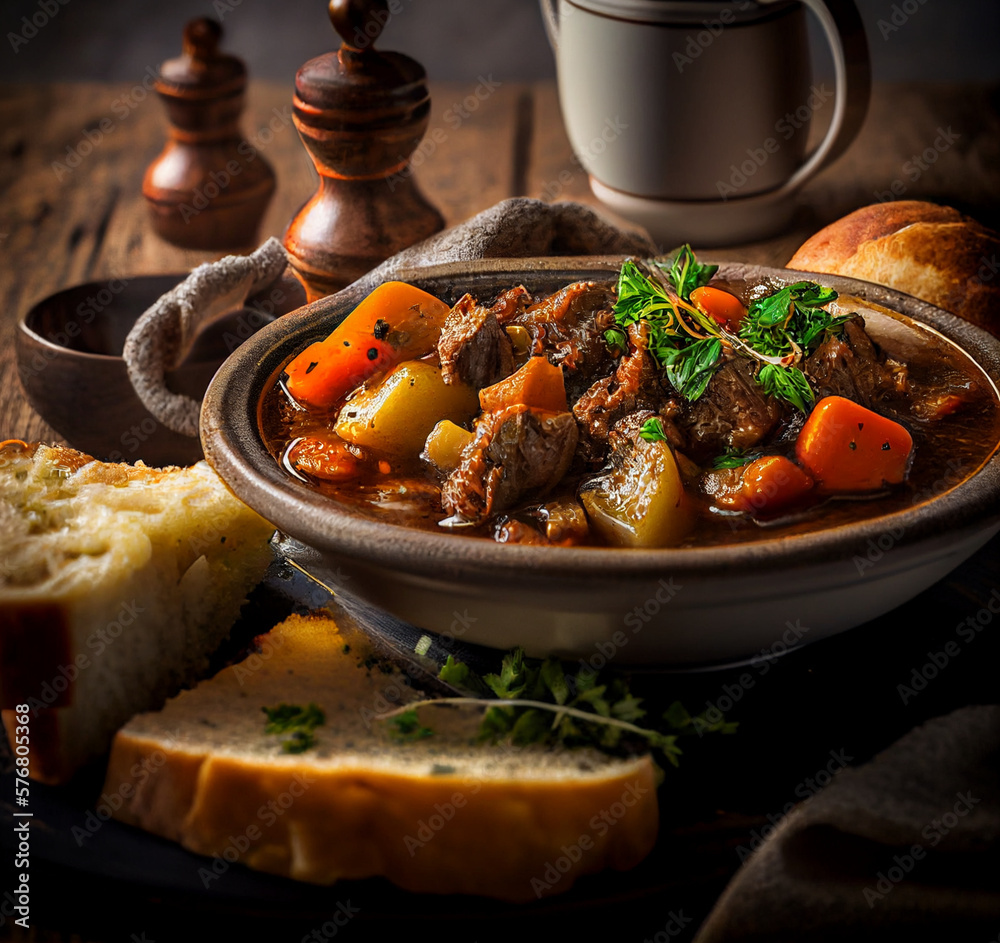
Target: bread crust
(116,585)
(357,805)
(929,251)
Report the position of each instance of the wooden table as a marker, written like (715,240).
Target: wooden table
(61,225)
(72,210)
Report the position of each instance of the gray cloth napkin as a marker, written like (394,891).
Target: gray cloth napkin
(905,847)
(517,228)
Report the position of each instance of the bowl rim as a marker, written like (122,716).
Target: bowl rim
(27,332)
(233,446)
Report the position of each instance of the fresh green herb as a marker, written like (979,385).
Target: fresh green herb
(686,273)
(684,723)
(616,338)
(788,326)
(589,709)
(787,383)
(690,368)
(407,726)
(299,722)
(541,704)
(652,431)
(794,311)
(734,458)
(639,297)
(779,331)
(459,675)
(683,341)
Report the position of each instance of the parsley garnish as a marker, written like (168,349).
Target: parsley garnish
(459,675)
(734,458)
(779,331)
(690,368)
(792,315)
(616,338)
(787,383)
(686,273)
(298,721)
(683,341)
(788,325)
(407,726)
(652,431)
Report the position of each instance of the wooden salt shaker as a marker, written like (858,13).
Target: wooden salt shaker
(361,114)
(209,187)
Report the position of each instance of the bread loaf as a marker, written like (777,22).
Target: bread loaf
(931,252)
(440,814)
(116,584)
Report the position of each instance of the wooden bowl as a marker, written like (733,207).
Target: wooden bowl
(68,348)
(669,606)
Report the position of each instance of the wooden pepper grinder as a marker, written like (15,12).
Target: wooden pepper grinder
(209,187)
(361,114)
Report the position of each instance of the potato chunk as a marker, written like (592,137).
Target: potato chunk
(445,444)
(640,502)
(396,416)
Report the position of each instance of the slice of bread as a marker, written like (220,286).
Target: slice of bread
(931,252)
(116,584)
(440,814)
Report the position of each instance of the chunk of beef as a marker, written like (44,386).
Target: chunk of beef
(733,412)
(634,385)
(625,431)
(571,305)
(568,327)
(473,348)
(950,392)
(516,531)
(558,523)
(518,453)
(511,304)
(724,486)
(848,364)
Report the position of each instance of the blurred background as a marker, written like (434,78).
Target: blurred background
(457,40)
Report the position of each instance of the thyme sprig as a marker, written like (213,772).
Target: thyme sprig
(537,702)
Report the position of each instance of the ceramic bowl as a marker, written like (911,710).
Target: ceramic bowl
(664,607)
(68,348)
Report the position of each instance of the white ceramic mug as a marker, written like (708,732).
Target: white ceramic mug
(692,117)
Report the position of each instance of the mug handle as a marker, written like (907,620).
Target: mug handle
(845,32)
(551,21)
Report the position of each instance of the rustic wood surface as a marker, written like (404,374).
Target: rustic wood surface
(72,159)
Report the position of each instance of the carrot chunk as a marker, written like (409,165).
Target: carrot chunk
(847,447)
(772,483)
(396,322)
(324,457)
(538,384)
(723,307)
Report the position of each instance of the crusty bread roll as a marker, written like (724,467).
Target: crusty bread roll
(441,814)
(116,584)
(931,252)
